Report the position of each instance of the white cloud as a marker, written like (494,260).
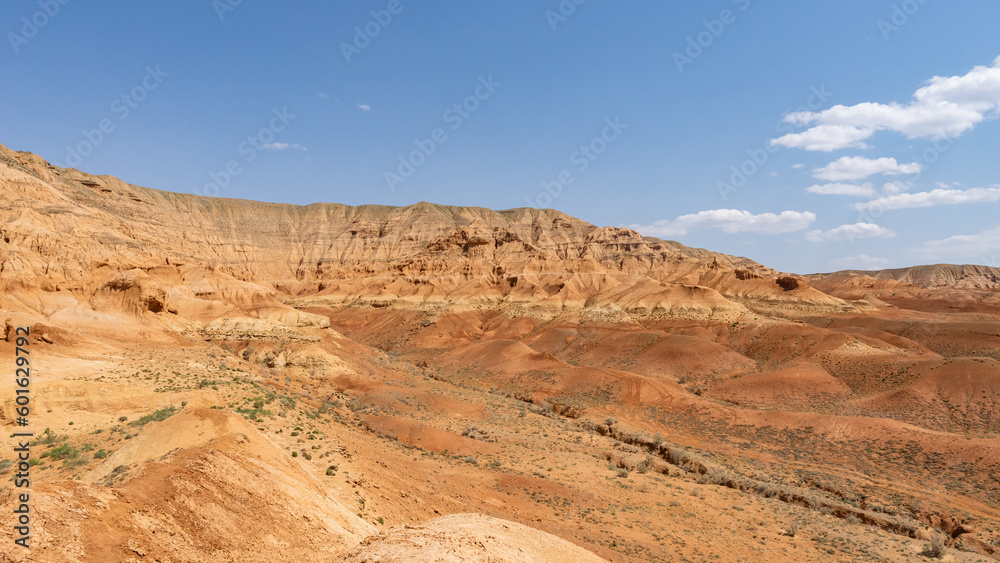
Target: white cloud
(850,232)
(945,107)
(859,262)
(859,167)
(858,190)
(283,146)
(323,96)
(730,221)
(931,199)
(364,107)
(953,249)
(825,138)
(798,165)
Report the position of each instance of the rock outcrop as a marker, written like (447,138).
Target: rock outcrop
(117,247)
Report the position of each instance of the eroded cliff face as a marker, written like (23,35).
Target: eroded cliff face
(227,380)
(936,276)
(112,245)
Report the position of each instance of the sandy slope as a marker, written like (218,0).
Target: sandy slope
(444,382)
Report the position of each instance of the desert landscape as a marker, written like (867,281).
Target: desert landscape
(227,380)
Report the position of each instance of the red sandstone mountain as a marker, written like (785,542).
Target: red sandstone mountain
(227,380)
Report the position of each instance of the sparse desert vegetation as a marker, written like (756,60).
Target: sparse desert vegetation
(652,419)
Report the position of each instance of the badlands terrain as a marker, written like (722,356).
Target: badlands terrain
(228,380)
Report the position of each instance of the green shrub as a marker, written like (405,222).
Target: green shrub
(156,416)
(49,437)
(645,465)
(76,462)
(64,451)
(935,550)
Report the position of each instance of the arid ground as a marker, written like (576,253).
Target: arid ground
(227,380)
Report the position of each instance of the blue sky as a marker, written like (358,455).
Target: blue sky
(808,136)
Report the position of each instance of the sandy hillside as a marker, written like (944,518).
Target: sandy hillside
(227,380)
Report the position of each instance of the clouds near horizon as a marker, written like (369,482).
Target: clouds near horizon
(931,199)
(944,108)
(730,221)
(858,190)
(984,245)
(850,232)
(860,167)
